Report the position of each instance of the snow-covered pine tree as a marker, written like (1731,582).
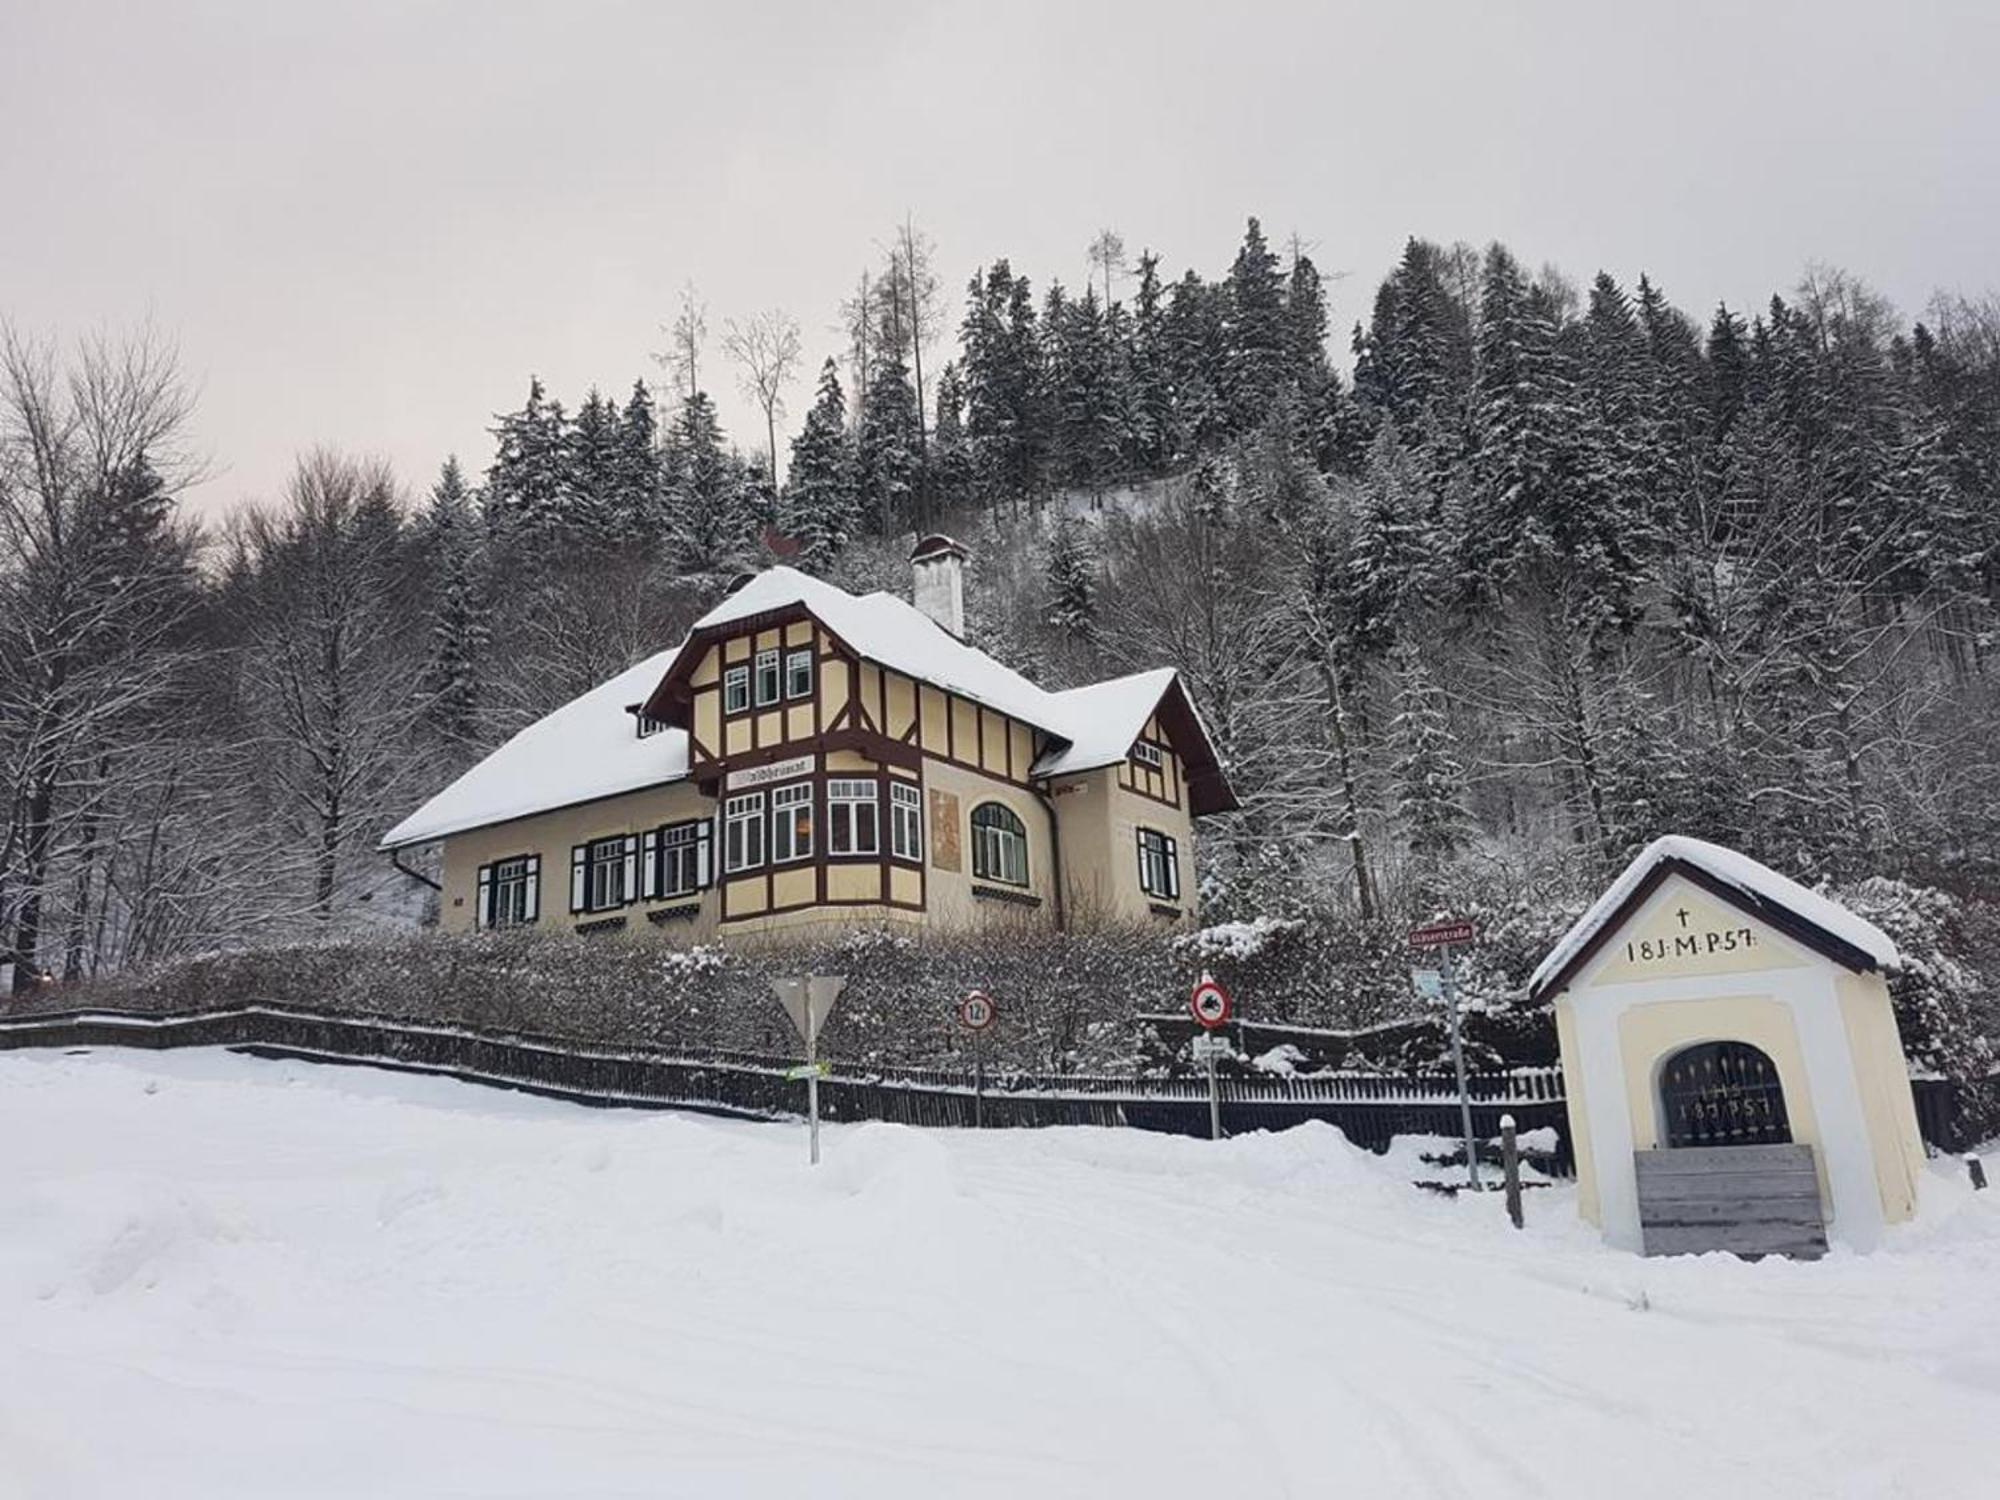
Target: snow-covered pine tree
(637,499)
(887,445)
(1070,572)
(1152,399)
(525,487)
(593,461)
(711,525)
(457,628)
(818,511)
(1258,340)
(952,471)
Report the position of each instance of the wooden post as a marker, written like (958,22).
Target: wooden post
(1510,1165)
(1976,1170)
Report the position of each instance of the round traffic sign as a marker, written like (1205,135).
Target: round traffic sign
(977,1011)
(1209,1004)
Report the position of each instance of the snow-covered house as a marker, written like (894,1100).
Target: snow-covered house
(807,758)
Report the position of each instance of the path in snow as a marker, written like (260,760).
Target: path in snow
(224,1277)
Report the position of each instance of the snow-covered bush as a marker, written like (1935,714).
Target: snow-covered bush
(1944,1005)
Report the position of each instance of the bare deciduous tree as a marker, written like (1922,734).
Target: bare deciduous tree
(767,348)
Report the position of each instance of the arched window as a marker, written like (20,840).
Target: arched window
(999,845)
(1723,1094)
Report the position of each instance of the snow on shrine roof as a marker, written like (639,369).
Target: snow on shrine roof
(1102,720)
(1759,886)
(586,749)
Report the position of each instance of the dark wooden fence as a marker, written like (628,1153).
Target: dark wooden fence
(1370,1109)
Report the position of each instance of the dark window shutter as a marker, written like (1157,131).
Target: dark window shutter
(579,872)
(484,909)
(649,865)
(532,905)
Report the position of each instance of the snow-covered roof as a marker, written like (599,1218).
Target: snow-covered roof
(1102,720)
(894,633)
(586,749)
(1757,887)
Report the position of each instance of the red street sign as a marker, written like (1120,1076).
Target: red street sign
(1209,1004)
(1441,935)
(976,1011)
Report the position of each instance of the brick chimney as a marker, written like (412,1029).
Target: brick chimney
(937,566)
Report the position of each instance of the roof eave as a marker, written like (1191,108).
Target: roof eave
(1800,929)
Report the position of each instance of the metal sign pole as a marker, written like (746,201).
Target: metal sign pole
(979,1080)
(1214,1098)
(1458,1066)
(812,1078)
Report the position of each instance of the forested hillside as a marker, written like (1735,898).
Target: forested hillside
(1542,569)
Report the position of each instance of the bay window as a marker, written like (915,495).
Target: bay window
(852,816)
(791,822)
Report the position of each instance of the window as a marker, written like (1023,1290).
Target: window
(743,832)
(677,859)
(792,822)
(999,845)
(767,678)
(1159,865)
(649,726)
(799,674)
(735,690)
(906,821)
(1148,755)
(510,891)
(604,873)
(607,874)
(852,811)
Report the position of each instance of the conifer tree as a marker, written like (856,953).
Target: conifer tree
(1071,579)
(1259,341)
(525,486)
(887,446)
(458,631)
(710,518)
(819,503)
(637,502)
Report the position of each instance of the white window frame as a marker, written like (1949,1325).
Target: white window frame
(509,897)
(608,873)
(791,839)
(736,690)
(1148,754)
(648,725)
(847,798)
(768,662)
(799,673)
(906,821)
(1000,854)
(1162,857)
(743,833)
(678,859)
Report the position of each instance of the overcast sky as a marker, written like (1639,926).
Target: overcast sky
(367,223)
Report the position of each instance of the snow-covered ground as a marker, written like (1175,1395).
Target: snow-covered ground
(222,1277)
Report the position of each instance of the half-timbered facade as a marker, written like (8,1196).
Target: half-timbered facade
(808,757)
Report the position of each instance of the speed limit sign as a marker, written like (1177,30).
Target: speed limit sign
(1209,1004)
(976,1011)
